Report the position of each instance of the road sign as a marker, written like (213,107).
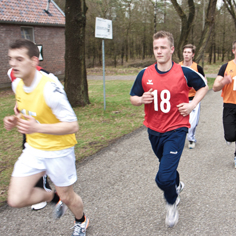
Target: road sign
(103,28)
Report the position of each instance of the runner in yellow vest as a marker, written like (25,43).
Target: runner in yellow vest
(50,124)
(188,54)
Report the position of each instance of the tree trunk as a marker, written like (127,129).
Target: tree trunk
(186,22)
(209,22)
(210,54)
(144,42)
(214,44)
(122,54)
(76,85)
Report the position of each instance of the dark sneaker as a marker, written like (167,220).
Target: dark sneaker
(59,210)
(80,228)
(42,183)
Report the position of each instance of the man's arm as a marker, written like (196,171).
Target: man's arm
(198,82)
(146,98)
(28,125)
(221,81)
(186,108)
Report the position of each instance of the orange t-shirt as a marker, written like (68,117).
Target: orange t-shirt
(192,91)
(229,90)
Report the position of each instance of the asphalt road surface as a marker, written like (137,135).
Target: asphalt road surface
(121,197)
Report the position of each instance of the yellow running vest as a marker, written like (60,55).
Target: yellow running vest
(34,104)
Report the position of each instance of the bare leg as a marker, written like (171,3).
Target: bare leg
(23,193)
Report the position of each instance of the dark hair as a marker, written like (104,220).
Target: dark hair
(164,34)
(33,50)
(190,46)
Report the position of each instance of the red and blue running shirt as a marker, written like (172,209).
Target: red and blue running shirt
(170,88)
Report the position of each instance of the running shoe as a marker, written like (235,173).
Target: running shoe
(180,188)
(59,210)
(172,215)
(80,228)
(38,206)
(42,183)
(191,145)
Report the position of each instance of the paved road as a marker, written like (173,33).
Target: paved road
(121,198)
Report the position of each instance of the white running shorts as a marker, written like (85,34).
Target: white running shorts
(61,169)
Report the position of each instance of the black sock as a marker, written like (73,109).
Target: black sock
(55,198)
(80,220)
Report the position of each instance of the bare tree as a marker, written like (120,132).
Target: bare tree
(209,23)
(231,5)
(76,85)
(187,23)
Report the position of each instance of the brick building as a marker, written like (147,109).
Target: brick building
(42,22)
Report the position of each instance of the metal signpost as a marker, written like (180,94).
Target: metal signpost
(103,29)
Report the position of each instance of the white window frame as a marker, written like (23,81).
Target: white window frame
(32,32)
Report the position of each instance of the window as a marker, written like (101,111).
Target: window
(27,33)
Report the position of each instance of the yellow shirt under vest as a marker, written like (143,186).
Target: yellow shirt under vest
(229,90)
(34,104)
(192,91)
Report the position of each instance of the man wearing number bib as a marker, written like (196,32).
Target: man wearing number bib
(163,89)
(226,81)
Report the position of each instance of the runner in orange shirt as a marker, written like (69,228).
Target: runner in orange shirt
(225,81)
(188,54)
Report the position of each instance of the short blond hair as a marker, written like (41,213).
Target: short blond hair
(164,34)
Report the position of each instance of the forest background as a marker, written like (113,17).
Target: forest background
(209,24)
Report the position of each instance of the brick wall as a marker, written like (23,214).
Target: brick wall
(52,39)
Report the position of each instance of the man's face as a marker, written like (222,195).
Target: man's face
(188,54)
(23,66)
(162,50)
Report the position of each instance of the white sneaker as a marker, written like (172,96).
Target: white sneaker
(172,215)
(38,206)
(177,201)
(180,188)
(191,145)
(80,228)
